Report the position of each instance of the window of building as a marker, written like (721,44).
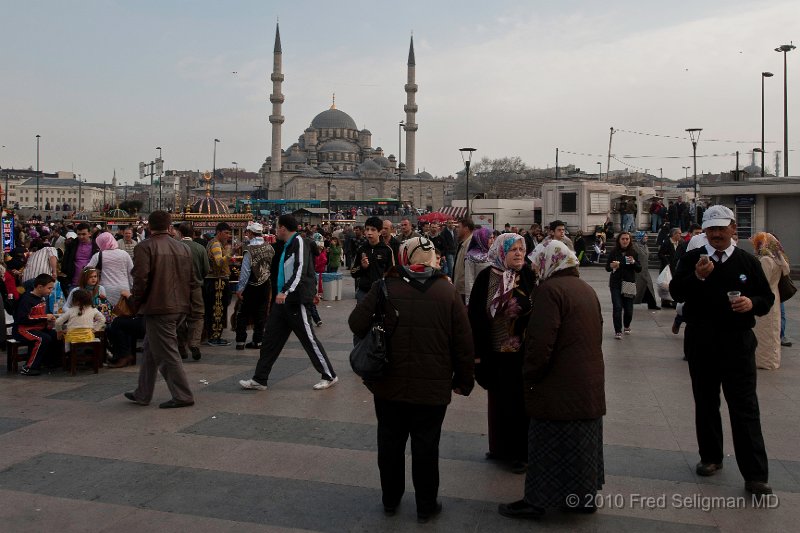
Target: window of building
(569,202)
(333,192)
(599,202)
(312,192)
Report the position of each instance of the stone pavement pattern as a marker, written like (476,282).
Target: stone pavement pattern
(77,456)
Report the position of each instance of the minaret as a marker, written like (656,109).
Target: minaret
(276,119)
(411,110)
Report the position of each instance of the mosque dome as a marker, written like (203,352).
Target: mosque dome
(325,168)
(297,157)
(382,161)
(369,165)
(209,206)
(118,213)
(339,145)
(753,170)
(334,118)
(365,131)
(425,175)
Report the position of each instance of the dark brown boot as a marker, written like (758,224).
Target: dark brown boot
(122,362)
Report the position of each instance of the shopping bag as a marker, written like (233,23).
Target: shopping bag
(662,284)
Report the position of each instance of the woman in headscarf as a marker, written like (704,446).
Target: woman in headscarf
(768,327)
(115,267)
(477,257)
(645,294)
(564,388)
(500,305)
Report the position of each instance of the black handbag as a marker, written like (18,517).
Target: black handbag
(786,288)
(370,356)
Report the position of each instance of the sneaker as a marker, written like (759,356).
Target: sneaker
(627,331)
(785,342)
(218,342)
(196,355)
(676,325)
(240,346)
(28,371)
(251,384)
(319,323)
(253,345)
(326,383)
(618,336)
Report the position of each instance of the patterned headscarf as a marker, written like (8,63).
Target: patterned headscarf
(767,244)
(640,236)
(106,241)
(478,249)
(497,256)
(553,257)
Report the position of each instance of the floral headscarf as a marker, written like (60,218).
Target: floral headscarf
(106,241)
(478,249)
(640,236)
(767,244)
(497,256)
(553,257)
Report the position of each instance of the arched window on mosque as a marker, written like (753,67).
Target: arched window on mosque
(353,193)
(333,192)
(429,194)
(372,192)
(312,192)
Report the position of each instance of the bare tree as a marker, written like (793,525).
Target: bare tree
(486,174)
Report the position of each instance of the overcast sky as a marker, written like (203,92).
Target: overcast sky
(104,82)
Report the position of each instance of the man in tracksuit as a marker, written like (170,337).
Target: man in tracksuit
(30,325)
(297,286)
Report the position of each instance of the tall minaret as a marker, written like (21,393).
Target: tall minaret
(411,110)
(276,119)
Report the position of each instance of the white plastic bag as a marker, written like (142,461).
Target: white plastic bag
(662,284)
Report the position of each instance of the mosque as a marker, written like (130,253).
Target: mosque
(333,153)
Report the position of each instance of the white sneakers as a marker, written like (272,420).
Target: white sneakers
(325,384)
(251,384)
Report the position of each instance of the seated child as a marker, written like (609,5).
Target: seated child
(31,325)
(81,320)
(90,281)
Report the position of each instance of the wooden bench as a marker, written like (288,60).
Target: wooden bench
(13,357)
(84,352)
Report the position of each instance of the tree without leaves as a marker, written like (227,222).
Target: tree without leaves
(486,174)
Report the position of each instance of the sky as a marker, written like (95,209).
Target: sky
(106,81)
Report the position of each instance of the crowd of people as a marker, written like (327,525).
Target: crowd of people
(461,304)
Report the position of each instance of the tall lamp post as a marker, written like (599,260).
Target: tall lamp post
(600,174)
(214,172)
(5,191)
(236,176)
(785,48)
(400,160)
(160,168)
(694,136)
(686,172)
(466,157)
(37,171)
(763,75)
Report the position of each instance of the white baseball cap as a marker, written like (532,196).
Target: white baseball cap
(255,227)
(718,216)
(71,235)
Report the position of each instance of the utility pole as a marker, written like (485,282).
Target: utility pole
(608,164)
(556,163)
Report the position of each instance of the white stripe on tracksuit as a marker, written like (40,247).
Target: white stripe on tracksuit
(323,362)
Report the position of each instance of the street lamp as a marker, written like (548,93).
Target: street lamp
(160,166)
(785,48)
(5,202)
(399,160)
(763,75)
(686,172)
(37,171)
(694,136)
(600,175)
(467,159)
(236,176)
(214,172)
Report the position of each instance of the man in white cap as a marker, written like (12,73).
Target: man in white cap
(252,291)
(724,289)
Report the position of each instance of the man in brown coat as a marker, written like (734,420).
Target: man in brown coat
(162,283)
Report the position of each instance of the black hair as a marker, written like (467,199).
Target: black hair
(374,222)
(159,220)
(43,279)
(288,221)
(223,226)
(81,299)
(556,223)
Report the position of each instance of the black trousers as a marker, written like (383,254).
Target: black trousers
(727,359)
(216,298)
(283,320)
(396,421)
(122,334)
(255,300)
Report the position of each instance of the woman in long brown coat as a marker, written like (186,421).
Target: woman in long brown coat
(564,391)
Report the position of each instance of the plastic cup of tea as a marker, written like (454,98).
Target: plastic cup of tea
(733,295)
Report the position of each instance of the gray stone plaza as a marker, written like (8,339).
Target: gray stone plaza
(77,456)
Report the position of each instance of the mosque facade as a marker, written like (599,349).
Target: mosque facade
(333,156)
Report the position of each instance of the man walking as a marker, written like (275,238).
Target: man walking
(406,231)
(297,286)
(217,294)
(162,283)
(253,287)
(464,232)
(190,333)
(723,289)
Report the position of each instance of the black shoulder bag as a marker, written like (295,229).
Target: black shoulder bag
(370,356)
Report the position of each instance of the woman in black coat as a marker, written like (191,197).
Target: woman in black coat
(499,310)
(623,263)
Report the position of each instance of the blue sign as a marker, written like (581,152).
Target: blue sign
(8,234)
(745,200)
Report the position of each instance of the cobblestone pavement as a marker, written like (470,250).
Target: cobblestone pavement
(77,456)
